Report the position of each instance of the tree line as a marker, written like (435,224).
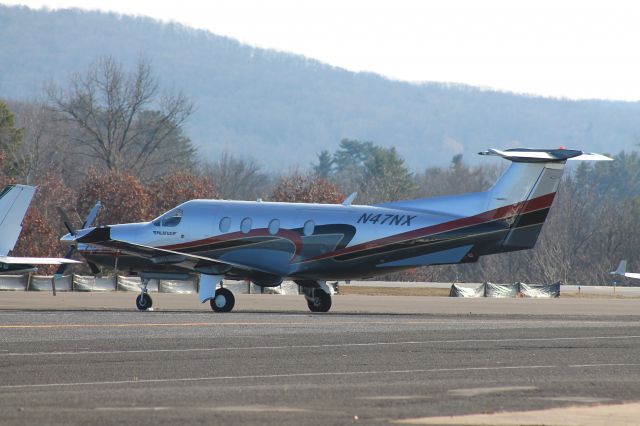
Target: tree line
(112,134)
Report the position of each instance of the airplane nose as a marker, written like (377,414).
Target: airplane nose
(68,239)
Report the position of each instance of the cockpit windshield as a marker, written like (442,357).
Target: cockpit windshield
(172,218)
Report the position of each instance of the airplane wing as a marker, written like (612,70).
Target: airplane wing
(102,237)
(35,260)
(14,202)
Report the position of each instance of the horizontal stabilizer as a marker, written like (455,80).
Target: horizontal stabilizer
(527,155)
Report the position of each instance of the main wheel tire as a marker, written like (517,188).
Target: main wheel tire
(144,302)
(321,302)
(224,300)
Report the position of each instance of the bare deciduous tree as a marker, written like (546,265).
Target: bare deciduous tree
(236,178)
(122,120)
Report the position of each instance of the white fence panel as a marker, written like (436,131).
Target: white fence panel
(237,287)
(43,283)
(13,282)
(287,287)
(89,283)
(133,284)
(180,287)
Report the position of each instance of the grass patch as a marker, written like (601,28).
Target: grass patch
(575,295)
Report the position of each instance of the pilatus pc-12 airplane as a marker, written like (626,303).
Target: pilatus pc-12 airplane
(310,244)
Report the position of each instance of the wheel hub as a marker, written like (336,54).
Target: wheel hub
(220,301)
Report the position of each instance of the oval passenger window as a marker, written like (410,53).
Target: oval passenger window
(309,227)
(225,224)
(274,226)
(245,225)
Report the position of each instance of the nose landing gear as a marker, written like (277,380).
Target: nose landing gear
(144,301)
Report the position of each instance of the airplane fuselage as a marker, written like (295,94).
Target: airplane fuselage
(310,241)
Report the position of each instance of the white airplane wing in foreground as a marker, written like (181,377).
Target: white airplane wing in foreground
(14,202)
(36,260)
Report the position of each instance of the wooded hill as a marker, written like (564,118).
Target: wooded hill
(282,109)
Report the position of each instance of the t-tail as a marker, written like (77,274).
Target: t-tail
(510,215)
(14,202)
(525,192)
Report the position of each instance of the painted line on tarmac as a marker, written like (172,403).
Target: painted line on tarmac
(294,375)
(620,364)
(279,376)
(321,346)
(205,324)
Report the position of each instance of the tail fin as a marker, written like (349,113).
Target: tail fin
(622,271)
(14,202)
(525,192)
(622,268)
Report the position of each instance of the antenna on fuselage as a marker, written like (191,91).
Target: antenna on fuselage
(347,201)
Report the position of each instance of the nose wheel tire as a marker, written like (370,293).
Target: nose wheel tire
(144,302)
(223,302)
(321,302)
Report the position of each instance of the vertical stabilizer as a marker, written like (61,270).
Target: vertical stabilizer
(14,202)
(622,268)
(525,192)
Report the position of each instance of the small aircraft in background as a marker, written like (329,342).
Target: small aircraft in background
(266,242)
(622,271)
(14,202)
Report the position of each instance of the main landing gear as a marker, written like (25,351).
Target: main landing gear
(318,299)
(223,300)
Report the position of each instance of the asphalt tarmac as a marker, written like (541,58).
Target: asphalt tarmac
(93,359)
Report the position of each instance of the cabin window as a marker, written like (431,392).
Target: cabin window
(309,227)
(172,218)
(157,222)
(225,224)
(245,225)
(274,226)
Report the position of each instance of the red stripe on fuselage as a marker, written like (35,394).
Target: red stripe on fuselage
(522,207)
(286,234)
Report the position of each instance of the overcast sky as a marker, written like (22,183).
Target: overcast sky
(562,48)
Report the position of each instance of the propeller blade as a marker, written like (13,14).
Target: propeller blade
(66,221)
(63,267)
(94,268)
(88,222)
